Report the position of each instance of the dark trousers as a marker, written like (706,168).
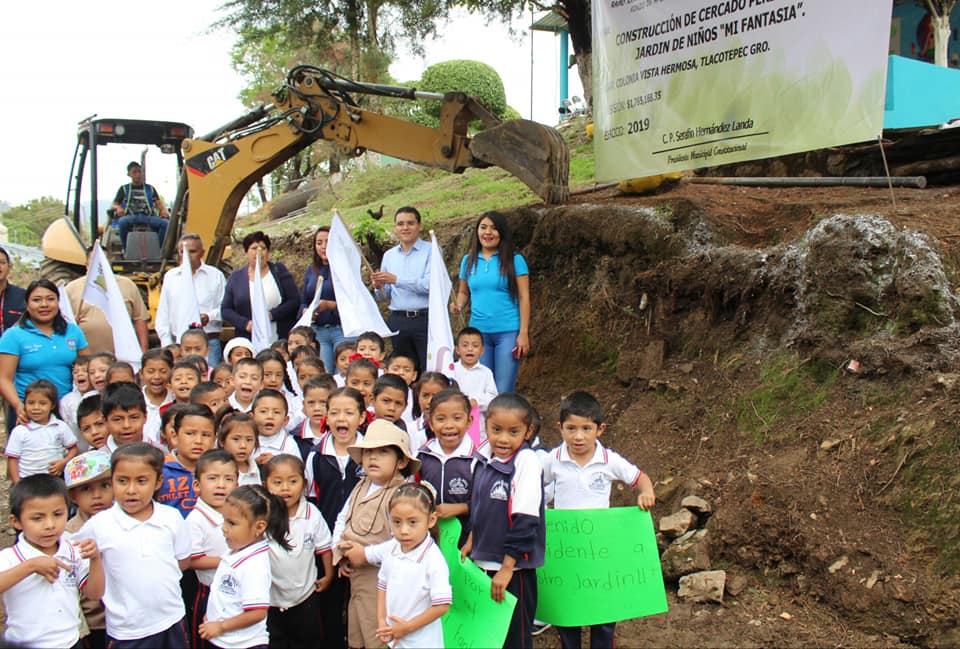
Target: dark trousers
(601,636)
(411,336)
(332,603)
(96,640)
(297,627)
(176,637)
(195,614)
(524,586)
(189,587)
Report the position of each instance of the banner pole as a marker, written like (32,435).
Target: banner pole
(886,169)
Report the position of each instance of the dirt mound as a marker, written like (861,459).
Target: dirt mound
(717,340)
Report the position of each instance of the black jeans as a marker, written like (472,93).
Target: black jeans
(411,335)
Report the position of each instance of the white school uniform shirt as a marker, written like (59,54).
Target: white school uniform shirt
(277,444)
(206,537)
(339,379)
(585,487)
(140,561)
(251,475)
(41,614)
(407,415)
(418,433)
(294,412)
(295,571)
(151,427)
(476,382)
(242,583)
(325,446)
(414,581)
(292,375)
(232,400)
(68,409)
(37,445)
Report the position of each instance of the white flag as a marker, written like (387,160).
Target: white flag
(66,309)
(262,334)
(439,333)
(358,310)
(306,318)
(187,311)
(125,344)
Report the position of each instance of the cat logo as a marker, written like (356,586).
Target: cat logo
(458,487)
(500,490)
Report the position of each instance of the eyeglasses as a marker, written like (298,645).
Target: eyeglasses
(4,262)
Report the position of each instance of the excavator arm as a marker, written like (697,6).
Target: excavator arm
(315,104)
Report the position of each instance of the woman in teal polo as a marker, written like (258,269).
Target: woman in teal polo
(42,345)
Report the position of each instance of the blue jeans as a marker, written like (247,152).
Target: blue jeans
(498,356)
(215,357)
(156,223)
(328,337)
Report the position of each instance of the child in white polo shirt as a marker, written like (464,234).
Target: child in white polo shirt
(294,603)
(579,472)
(42,575)
(240,592)
(215,476)
(145,546)
(45,443)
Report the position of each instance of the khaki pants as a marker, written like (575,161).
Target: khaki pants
(362,610)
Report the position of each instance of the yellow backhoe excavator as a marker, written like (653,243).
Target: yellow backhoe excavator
(218,169)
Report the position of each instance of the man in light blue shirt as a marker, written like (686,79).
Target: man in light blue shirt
(404,280)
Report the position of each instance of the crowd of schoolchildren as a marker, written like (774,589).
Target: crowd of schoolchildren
(265,502)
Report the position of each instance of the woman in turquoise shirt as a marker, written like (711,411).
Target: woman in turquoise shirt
(496,282)
(42,345)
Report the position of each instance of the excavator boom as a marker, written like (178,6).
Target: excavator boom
(315,104)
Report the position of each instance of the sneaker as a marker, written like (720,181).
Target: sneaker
(539,627)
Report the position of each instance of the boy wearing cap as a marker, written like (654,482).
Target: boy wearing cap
(88,482)
(385,455)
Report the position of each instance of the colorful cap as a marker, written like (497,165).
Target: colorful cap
(85,468)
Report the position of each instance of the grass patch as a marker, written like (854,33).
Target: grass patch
(788,387)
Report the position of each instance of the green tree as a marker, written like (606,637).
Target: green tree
(26,223)
(576,13)
(472,77)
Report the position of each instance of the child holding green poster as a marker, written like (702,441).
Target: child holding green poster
(508,535)
(579,473)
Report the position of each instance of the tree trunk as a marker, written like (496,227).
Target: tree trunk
(580,26)
(941,38)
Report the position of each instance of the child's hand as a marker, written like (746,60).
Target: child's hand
(88,549)
(467,547)
(473,403)
(498,585)
(323,583)
(263,458)
(353,553)
(646,500)
(398,629)
(384,632)
(210,629)
(344,569)
(56,467)
(48,567)
(445,511)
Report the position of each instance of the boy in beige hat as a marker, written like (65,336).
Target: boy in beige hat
(384,453)
(88,481)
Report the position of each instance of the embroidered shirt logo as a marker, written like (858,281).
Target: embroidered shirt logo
(458,487)
(500,490)
(598,482)
(229,585)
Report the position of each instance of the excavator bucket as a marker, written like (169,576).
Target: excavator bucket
(534,153)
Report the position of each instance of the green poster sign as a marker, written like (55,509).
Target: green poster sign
(474,619)
(605,557)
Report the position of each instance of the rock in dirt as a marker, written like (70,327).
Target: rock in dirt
(830,444)
(678,523)
(736,585)
(838,564)
(703,586)
(690,553)
(697,505)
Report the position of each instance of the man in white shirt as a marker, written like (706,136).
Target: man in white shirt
(209,284)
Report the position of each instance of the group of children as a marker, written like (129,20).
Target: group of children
(273,504)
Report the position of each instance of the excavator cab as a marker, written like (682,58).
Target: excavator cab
(91,190)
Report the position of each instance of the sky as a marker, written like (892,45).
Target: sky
(62,61)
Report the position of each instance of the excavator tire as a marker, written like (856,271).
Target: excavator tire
(59,272)
(536,154)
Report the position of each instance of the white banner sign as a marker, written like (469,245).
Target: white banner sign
(681,84)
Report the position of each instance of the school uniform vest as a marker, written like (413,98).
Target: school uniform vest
(491,518)
(331,489)
(452,479)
